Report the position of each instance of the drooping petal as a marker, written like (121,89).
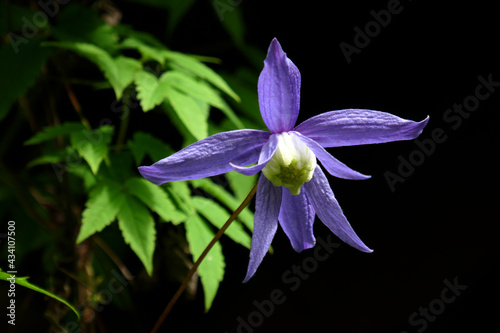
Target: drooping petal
(279,90)
(330,163)
(267,208)
(266,153)
(297,219)
(329,211)
(358,127)
(208,157)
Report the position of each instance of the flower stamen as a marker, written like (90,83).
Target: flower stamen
(292,164)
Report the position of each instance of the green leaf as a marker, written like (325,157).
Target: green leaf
(240,184)
(150,90)
(126,69)
(202,91)
(244,82)
(193,87)
(226,198)
(143,143)
(155,198)
(83,172)
(104,202)
(211,270)
(22,61)
(118,71)
(218,216)
(92,145)
(181,194)
(23,281)
(147,51)
(199,69)
(138,230)
(192,112)
(52,157)
(48,133)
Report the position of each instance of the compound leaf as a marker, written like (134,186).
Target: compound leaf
(138,230)
(211,270)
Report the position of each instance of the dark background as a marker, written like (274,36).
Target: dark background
(439,224)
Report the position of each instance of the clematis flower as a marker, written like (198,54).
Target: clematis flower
(292,187)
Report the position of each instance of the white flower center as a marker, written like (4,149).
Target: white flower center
(292,164)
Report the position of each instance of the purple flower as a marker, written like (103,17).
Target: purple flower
(292,188)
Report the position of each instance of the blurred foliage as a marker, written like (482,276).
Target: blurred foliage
(72,77)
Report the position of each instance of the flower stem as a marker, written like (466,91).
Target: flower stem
(202,256)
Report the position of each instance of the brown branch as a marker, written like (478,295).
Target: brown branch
(193,269)
(76,104)
(121,266)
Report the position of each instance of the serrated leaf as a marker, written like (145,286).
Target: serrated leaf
(181,194)
(192,112)
(155,198)
(92,145)
(105,199)
(144,143)
(126,69)
(53,157)
(83,171)
(201,70)
(226,198)
(23,281)
(22,62)
(48,133)
(118,71)
(211,269)
(202,91)
(147,51)
(150,90)
(138,230)
(218,216)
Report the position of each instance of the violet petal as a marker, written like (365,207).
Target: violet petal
(266,153)
(358,127)
(297,219)
(279,90)
(329,212)
(208,157)
(267,208)
(330,163)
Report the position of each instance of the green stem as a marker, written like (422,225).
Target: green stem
(193,269)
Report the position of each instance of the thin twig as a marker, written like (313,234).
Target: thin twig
(75,277)
(202,256)
(121,266)
(76,104)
